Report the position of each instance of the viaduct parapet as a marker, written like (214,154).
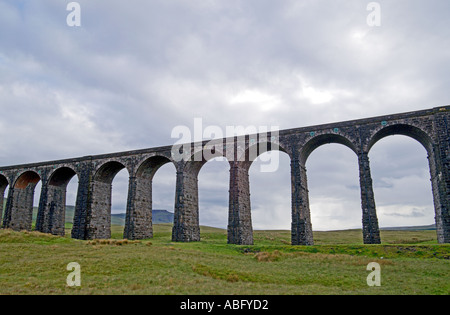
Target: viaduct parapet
(92,219)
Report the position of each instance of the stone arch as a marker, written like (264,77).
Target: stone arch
(186,217)
(322,139)
(25,179)
(301,231)
(422,137)
(51,217)
(201,155)
(150,166)
(107,171)
(257,146)
(138,221)
(61,176)
(99,214)
(19,212)
(240,229)
(402,129)
(334,187)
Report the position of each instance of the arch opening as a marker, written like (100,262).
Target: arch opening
(405,130)
(263,151)
(106,201)
(21,212)
(62,176)
(240,227)
(58,217)
(149,167)
(401,177)
(119,199)
(139,213)
(163,194)
(270,194)
(320,140)
(26,179)
(213,191)
(334,189)
(186,213)
(108,171)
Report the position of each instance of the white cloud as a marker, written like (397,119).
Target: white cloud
(257,99)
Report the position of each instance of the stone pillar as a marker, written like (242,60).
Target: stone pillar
(98,217)
(371,232)
(83,202)
(99,214)
(301,229)
(51,218)
(7,213)
(20,212)
(138,222)
(186,221)
(42,213)
(240,229)
(1,206)
(439,160)
(3,185)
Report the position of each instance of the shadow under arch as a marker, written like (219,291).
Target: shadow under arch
(26,179)
(148,167)
(62,176)
(99,214)
(52,208)
(107,171)
(138,221)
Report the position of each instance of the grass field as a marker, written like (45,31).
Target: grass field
(411,263)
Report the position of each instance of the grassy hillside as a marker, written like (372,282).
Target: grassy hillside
(411,263)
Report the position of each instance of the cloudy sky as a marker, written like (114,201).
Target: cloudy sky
(134,70)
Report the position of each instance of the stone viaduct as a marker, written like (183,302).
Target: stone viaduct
(95,174)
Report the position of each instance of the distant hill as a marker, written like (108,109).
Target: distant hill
(411,228)
(158,216)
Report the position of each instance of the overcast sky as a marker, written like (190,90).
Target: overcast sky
(134,70)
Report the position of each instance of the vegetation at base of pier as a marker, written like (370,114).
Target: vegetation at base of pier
(411,263)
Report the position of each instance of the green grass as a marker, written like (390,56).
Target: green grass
(411,263)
